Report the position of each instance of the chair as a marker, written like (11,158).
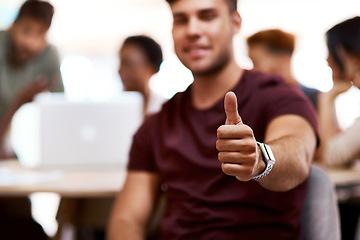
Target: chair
(320,217)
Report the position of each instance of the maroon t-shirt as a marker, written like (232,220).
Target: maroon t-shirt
(178,144)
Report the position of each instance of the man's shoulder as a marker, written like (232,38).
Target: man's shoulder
(50,52)
(254,83)
(166,109)
(262,79)
(178,99)
(3,37)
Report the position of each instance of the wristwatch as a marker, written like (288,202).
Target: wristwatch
(268,158)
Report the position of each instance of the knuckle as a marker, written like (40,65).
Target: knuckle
(221,156)
(218,145)
(220,131)
(226,169)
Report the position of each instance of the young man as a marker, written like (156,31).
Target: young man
(28,64)
(212,171)
(271,52)
(140,58)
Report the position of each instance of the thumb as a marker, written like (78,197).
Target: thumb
(231,109)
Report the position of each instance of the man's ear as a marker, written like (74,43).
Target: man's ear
(236,21)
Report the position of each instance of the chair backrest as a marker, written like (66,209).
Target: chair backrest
(320,217)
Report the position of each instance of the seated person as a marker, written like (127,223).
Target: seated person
(208,153)
(140,58)
(342,148)
(28,65)
(271,52)
(343,41)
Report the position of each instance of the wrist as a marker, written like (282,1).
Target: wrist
(268,158)
(261,164)
(329,96)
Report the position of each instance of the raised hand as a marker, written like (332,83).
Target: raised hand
(238,150)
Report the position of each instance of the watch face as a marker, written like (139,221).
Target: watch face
(269,153)
(268,158)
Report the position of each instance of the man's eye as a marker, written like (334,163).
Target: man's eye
(208,16)
(179,20)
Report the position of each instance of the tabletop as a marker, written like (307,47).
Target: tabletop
(347,183)
(344,176)
(16,180)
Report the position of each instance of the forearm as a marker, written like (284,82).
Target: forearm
(343,148)
(133,207)
(5,120)
(292,166)
(327,117)
(123,229)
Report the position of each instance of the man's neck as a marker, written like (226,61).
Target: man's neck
(208,89)
(289,78)
(288,75)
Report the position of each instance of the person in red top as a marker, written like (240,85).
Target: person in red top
(206,148)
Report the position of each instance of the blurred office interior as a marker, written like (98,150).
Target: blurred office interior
(88,34)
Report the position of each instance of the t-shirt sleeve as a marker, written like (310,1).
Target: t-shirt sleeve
(285,99)
(141,157)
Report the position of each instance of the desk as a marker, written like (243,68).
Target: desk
(344,176)
(347,183)
(79,189)
(16,180)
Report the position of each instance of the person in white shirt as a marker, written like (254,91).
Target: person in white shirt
(342,148)
(140,58)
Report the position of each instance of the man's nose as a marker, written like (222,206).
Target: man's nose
(33,43)
(193,27)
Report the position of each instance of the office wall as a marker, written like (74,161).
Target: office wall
(88,34)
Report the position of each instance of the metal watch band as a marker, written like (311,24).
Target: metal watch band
(269,159)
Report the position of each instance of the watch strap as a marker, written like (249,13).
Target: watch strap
(268,158)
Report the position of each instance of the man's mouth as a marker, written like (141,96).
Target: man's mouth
(196,51)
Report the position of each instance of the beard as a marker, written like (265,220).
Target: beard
(215,66)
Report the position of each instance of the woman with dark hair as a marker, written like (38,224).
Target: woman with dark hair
(343,41)
(140,58)
(342,147)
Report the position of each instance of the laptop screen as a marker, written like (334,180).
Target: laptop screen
(53,131)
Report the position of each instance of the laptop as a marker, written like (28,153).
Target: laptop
(53,132)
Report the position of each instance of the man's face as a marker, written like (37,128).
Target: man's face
(29,38)
(263,60)
(202,33)
(135,71)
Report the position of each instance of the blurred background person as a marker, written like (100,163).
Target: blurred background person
(342,147)
(140,58)
(271,52)
(28,65)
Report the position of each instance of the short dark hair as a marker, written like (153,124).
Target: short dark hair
(345,34)
(275,40)
(232,4)
(40,10)
(151,49)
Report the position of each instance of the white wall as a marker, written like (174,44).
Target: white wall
(88,34)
